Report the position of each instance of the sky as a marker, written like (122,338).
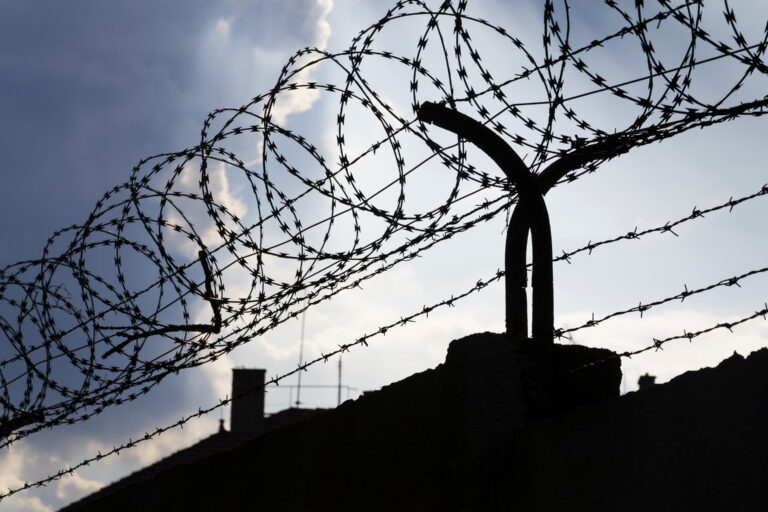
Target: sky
(88,88)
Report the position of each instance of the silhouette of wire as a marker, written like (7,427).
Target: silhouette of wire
(658,344)
(168,273)
(115,450)
(481,284)
(642,308)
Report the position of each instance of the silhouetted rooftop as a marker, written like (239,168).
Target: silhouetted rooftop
(471,435)
(220,442)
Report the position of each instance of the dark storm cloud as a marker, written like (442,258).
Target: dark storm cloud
(87,88)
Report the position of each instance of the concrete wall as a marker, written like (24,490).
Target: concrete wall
(472,435)
(697,443)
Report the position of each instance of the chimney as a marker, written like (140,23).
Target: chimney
(247,413)
(645,381)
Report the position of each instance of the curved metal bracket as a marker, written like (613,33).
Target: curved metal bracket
(530,214)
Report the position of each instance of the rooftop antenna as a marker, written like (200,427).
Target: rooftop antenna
(338,392)
(301,359)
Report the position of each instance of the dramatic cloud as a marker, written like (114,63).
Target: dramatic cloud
(75,487)
(15,463)
(89,87)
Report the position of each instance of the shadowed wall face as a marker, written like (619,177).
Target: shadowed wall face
(247,414)
(458,438)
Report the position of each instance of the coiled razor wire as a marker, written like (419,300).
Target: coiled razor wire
(166,274)
(481,284)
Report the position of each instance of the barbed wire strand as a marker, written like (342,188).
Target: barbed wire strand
(450,302)
(159,222)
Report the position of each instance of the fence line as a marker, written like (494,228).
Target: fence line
(450,302)
(62,299)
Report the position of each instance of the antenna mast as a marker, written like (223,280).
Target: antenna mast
(301,359)
(338,393)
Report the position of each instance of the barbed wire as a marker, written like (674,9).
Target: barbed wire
(642,308)
(658,344)
(481,284)
(88,326)
(131,443)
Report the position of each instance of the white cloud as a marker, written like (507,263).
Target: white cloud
(74,486)
(24,462)
(149,452)
(15,462)
(241,46)
(236,62)
(24,503)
